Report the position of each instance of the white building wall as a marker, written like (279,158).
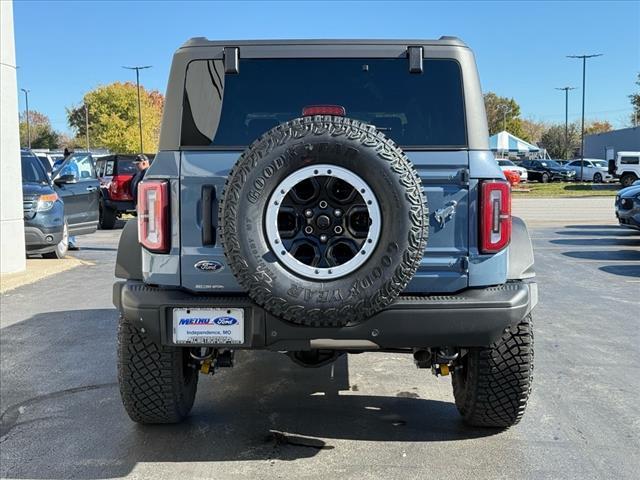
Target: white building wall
(12,253)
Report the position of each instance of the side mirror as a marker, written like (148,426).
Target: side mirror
(62,179)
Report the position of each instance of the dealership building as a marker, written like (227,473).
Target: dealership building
(606,145)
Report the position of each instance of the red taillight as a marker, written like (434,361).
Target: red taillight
(120,187)
(495,216)
(153,215)
(324,110)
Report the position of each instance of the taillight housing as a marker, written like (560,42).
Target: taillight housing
(153,215)
(311,110)
(495,215)
(120,187)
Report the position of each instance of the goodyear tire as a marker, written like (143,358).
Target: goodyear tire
(493,386)
(323,221)
(157,384)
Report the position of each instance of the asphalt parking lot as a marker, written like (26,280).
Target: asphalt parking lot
(367,416)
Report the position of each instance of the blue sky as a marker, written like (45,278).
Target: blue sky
(64,49)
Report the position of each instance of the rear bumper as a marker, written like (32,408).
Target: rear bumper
(120,205)
(474,317)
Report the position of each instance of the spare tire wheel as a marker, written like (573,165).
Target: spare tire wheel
(323,221)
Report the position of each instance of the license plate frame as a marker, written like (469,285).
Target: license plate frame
(208,326)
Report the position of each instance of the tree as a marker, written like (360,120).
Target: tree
(42,134)
(113,117)
(496,115)
(553,140)
(533,130)
(597,126)
(635,103)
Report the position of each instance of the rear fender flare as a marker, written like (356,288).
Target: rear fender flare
(521,262)
(129,258)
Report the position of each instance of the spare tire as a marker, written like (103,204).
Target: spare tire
(323,221)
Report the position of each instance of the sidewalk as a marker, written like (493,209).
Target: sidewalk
(37,269)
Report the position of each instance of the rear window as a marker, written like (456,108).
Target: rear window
(123,166)
(415,110)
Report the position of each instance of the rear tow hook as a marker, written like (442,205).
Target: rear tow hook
(208,360)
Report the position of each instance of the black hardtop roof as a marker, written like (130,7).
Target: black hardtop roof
(447,41)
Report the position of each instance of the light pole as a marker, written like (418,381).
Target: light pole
(505,109)
(86,126)
(137,69)
(566,120)
(584,71)
(26,101)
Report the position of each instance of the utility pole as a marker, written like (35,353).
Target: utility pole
(86,126)
(505,109)
(584,71)
(26,101)
(137,69)
(566,120)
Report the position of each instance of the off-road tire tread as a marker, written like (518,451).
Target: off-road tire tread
(151,381)
(493,388)
(406,174)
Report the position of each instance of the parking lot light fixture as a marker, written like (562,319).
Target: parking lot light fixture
(137,69)
(584,70)
(26,101)
(566,119)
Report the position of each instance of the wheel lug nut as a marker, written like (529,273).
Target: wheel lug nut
(323,238)
(337,212)
(308,229)
(308,213)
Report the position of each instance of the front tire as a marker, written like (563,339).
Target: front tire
(157,383)
(545,178)
(493,386)
(597,178)
(627,179)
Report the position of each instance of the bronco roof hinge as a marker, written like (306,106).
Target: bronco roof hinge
(415,59)
(231,60)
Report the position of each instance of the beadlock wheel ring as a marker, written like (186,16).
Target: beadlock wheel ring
(365,248)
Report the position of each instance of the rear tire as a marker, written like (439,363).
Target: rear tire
(597,178)
(157,384)
(493,386)
(108,217)
(627,179)
(63,245)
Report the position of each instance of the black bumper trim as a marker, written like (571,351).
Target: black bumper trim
(473,317)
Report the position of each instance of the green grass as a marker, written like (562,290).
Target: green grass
(564,189)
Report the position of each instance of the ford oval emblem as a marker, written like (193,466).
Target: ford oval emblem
(225,321)
(208,266)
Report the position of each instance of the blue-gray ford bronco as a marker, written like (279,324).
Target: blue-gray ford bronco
(318,198)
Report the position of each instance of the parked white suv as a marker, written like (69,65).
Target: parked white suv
(592,170)
(626,166)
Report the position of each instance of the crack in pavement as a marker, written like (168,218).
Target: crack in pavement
(9,418)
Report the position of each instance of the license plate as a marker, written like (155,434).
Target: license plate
(208,326)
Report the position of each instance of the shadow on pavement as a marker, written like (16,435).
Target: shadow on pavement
(62,415)
(613,231)
(592,227)
(622,270)
(597,242)
(605,255)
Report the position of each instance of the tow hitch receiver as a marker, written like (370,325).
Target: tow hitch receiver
(208,360)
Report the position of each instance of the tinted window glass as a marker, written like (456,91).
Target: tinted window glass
(424,109)
(126,166)
(506,163)
(32,171)
(630,160)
